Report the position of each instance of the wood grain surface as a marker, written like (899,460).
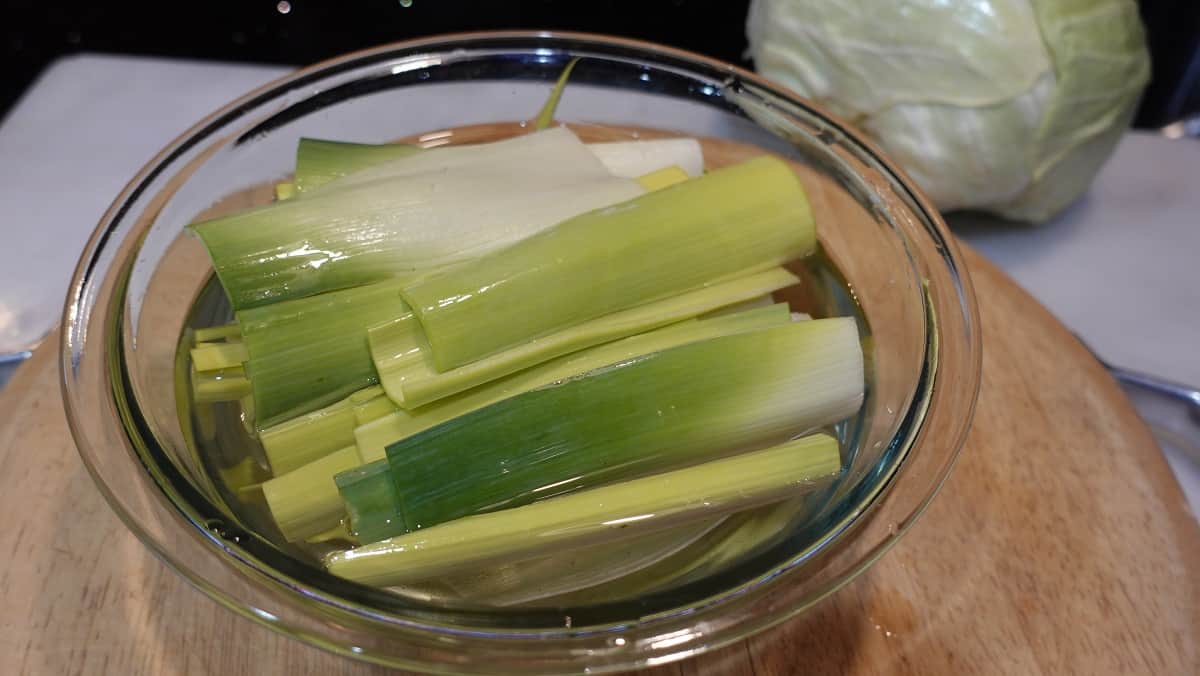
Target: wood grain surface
(1061,544)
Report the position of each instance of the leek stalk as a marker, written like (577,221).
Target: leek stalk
(228,332)
(409,374)
(636,158)
(546,115)
(218,356)
(573,569)
(678,406)
(294,443)
(751,215)
(319,162)
(373,437)
(285,190)
(369,499)
(734,538)
(598,515)
(662,178)
(230,384)
(298,504)
(310,352)
(407,216)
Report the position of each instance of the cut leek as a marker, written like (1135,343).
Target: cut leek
(765,300)
(244,477)
(218,356)
(301,440)
(546,115)
(637,158)
(318,161)
(228,332)
(369,497)
(338,532)
(300,507)
(311,352)
(646,414)
(374,437)
(570,569)
(230,384)
(739,535)
(662,178)
(377,406)
(754,214)
(406,216)
(502,360)
(597,515)
(411,378)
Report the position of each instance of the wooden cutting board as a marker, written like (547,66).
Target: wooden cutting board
(1061,544)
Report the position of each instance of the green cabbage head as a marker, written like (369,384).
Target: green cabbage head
(1007,106)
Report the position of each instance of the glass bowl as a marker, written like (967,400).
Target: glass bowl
(887,259)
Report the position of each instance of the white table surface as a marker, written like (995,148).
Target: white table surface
(1118,267)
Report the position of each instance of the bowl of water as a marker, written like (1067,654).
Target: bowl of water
(168,467)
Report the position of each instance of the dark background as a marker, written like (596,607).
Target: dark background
(35,33)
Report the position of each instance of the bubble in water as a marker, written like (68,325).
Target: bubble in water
(218,528)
